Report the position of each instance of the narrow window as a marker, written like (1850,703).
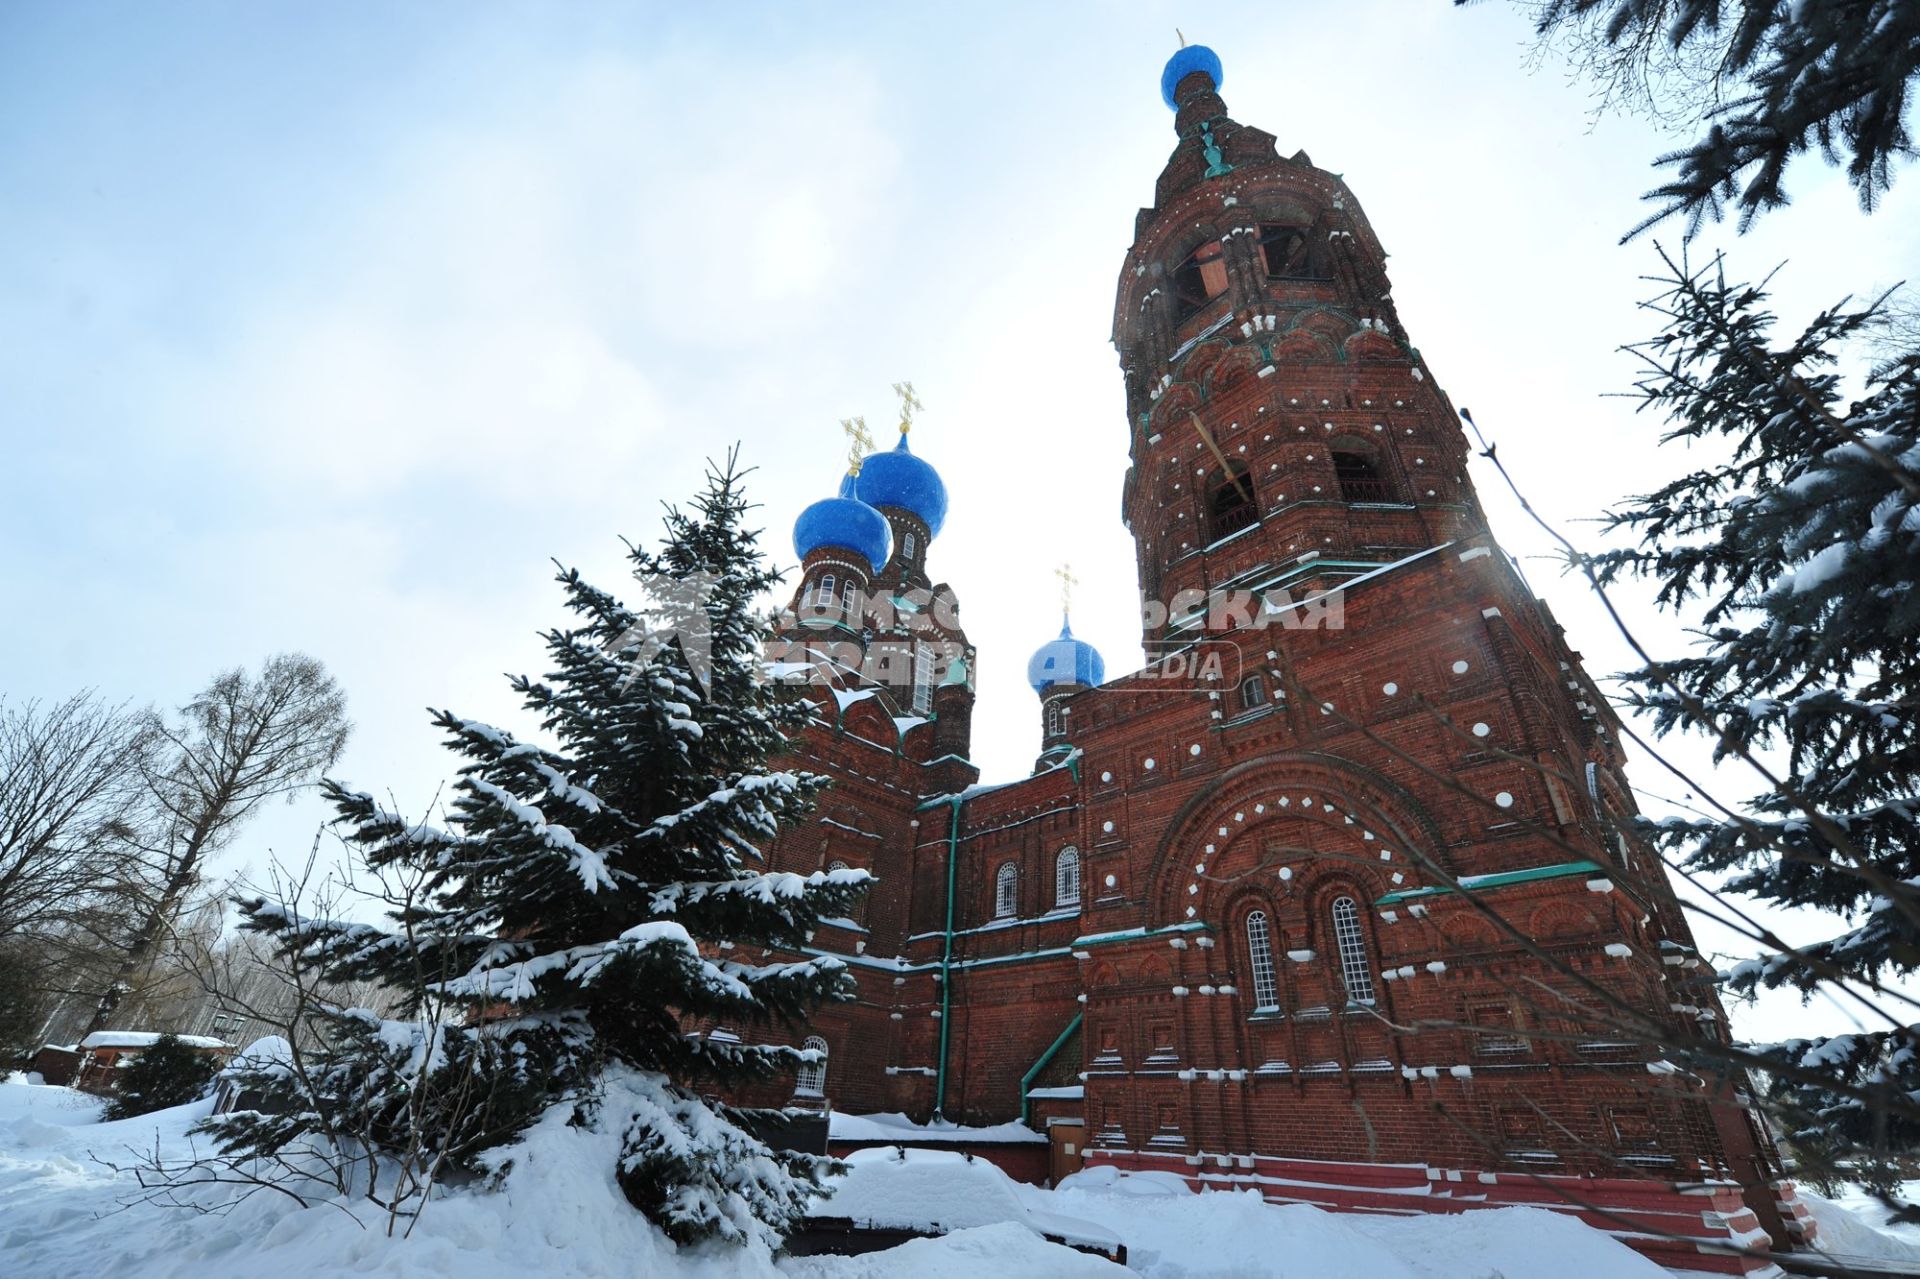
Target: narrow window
(1053,719)
(1283,248)
(823,594)
(1266,990)
(1199,280)
(1230,503)
(1359,478)
(1006,892)
(848,599)
(811,1078)
(922,679)
(1253,693)
(908,545)
(1354,969)
(1066,878)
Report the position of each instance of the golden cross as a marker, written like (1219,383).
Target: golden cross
(909,405)
(859,442)
(1067,582)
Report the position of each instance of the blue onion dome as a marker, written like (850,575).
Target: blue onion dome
(1195,57)
(847,523)
(898,478)
(1065,661)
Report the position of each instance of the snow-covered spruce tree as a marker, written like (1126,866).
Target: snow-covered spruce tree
(572,913)
(1802,548)
(1769,80)
(169,1072)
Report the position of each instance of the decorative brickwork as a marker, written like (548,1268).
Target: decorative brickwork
(1337,772)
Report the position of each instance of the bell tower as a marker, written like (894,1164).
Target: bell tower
(1284,431)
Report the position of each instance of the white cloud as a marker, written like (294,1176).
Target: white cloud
(513,305)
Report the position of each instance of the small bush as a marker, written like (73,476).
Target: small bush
(170,1073)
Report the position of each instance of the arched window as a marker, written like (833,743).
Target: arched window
(922,679)
(1066,878)
(1285,249)
(1359,477)
(823,594)
(1266,989)
(1230,503)
(836,864)
(1354,969)
(811,1078)
(908,545)
(1199,280)
(1006,891)
(1253,693)
(1053,719)
(849,599)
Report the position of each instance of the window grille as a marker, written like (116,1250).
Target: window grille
(1266,988)
(1066,878)
(1354,969)
(811,1078)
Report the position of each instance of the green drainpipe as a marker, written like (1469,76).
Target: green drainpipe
(946,956)
(1026,1080)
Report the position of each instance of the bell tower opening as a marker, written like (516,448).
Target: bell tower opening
(1199,280)
(1231,505)
(1358,473)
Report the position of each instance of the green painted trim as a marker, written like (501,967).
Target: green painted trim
(1474,883)
(1139,934)
(1026,1080)
(946,957)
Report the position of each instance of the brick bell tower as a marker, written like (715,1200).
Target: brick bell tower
(1386,836)
(1282,423)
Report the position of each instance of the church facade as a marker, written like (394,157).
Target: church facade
(1336,898)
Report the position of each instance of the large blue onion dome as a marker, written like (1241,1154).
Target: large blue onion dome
(1065,661)
(898,478)
(1194,57)
(845,522)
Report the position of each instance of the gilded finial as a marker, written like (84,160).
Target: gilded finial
(859,442)
(1067,582)
(909,405)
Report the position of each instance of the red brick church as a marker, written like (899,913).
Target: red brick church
(1333,898)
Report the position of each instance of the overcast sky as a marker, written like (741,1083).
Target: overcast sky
(323,327)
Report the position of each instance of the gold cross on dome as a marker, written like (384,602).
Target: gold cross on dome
(1067,582)
(909,405)
(859,442)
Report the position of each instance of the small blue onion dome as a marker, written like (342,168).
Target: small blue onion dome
(898,478)
(1195,57)
(847,523)
(1065,661)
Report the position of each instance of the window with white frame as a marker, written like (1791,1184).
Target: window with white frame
(1354,969)
(1266,987)
(811,1078)
(1006,891)
(922,679)
(909,546)
(1066,878)
(1253,693)
(1053,719)
(823,594)
(849,598)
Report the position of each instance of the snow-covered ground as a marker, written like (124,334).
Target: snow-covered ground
(1854,1227)
(558,1215)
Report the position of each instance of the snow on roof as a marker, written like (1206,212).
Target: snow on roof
(1071,1092)
(145,1039)
(897,1128)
